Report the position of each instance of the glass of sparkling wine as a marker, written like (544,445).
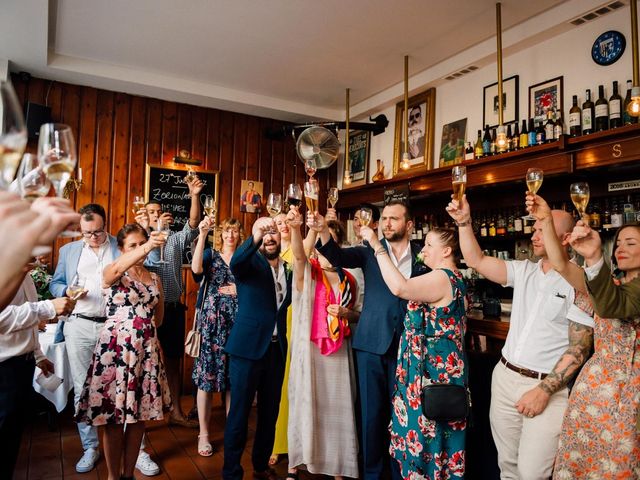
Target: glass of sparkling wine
(138,203)
(310,166)
(13,134)
(31,180)
(294,195)
(332,197)
(366,216)
(311,196)
(534,179)
(209,205)
(580,197)
(274,204)
(164,228)
(57,155)
(458,181)
(190,175)
(76,287)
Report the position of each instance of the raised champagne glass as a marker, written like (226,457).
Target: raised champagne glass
(164,228)
(310,166)
(311,196)
(332,197)
(13,134)
(190,175)
(138,203)
(209,206)
(458,181)
(580,197)
(366,216)
(294,195)
(31,181)
(534,179)
(274,204)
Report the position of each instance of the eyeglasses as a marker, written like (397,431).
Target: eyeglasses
(95,233)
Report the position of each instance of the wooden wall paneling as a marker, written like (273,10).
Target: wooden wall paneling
(21,90)
(37,90)
(184,128)
(154,132)
(239,170)
(120,201)
(136,164)
(199,135)
(226,165)
(105,107)
(87,145)
(169,131)
(277,168)
(54,100)
(212,157)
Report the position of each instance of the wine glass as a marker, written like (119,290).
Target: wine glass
(138,203)
(294,194)
(31,181)
(580,197)
(366,216)
(274,204)
(209,205)
(163,227)
(458,181)
(310,166)
(190,175)
(13,134)
(332,197)
(534,179)
(311,196)
(76,288)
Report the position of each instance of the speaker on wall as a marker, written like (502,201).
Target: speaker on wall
(36,115)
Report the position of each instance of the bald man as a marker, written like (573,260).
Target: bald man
(549,339)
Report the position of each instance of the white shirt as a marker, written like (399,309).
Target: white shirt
(280,283)
(19,322)
(540,314)
(90,268)
(404,262)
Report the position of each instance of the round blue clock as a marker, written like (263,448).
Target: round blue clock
(608,47)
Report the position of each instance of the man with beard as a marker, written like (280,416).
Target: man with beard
(375,340)
(257,348)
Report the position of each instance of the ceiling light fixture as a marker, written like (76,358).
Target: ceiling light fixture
(501,136)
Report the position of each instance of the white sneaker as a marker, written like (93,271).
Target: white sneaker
(147,466)
(88,460)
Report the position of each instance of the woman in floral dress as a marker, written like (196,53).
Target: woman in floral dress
(126,382)
(431,351)
(218,304)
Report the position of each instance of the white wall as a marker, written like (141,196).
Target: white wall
(4,69)
(567,55)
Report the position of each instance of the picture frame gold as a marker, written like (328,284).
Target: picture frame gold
(421,133)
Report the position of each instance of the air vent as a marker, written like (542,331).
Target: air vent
(462,72)
(598,12)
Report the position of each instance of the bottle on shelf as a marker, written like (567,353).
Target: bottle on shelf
(588,115)
(615,107)
(478,151)
(515,140)
(616,215)
(484,230)
(628,211)
(524,135)
(511,227)
(492,226)
(501,226)
(486,142)
(532,133)
(549,126)
(558,128)
(468,152)
(575,118)
(626,118)
(517,223)
(541,136)
(606,215)
(595,218)
(425,226)
(493,147)
(418,230)
(509,138)
(602,111)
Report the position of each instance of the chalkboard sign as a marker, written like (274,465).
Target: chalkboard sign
(398,193)
(166,186)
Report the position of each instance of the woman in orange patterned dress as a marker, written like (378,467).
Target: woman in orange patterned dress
(600,436)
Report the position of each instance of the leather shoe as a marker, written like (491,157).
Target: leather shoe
(183,422)
(268,474)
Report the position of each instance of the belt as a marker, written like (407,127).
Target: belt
(522,371)
(92,319)
(274,338)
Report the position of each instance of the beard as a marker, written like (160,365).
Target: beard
(395,236)
(270,255)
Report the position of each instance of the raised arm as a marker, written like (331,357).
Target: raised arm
(195,187)
(241,261)
(492,268)
(349,257)
(115,270)
(198,252)
(294,220)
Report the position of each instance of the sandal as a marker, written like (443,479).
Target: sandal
(204,448)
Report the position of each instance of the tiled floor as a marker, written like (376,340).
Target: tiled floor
(52,454)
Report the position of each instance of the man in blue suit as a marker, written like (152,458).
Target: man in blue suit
(376,338)
(257,347)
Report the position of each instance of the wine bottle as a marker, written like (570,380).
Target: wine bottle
(588,115)
(486,142)
(541,136)
(468,153)
(602,111)
(515,140)
(628,119)
(509,138)
(548,127)
(479,152)
(524,135)
(575,118)
(558,129)
(493,148)
(615,106)
(532,133)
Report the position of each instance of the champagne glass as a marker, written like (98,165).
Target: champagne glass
(332,197)
(580,197)
(310,166)
(458,181)
(534,179)
(274,204)
(294,194)
(13,134)
(138,203)
(76,288)
(190,175)
(366,216)
(311,196)
(31,180)
(164,228)
(209,205)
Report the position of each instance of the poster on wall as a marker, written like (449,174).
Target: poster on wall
(358,161)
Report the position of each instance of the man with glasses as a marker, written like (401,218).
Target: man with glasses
(416,134)
(86,259)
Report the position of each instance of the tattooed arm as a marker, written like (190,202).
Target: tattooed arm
(535,400)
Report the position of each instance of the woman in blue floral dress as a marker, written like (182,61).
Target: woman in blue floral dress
(431,351)
(217,304)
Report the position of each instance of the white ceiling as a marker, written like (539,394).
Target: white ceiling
(288,59)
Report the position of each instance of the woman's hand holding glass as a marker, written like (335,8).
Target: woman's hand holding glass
(157,239)
(294,217)
(586,242)
(205,226)
(460,211)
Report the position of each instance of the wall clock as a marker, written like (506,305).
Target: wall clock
(608,47)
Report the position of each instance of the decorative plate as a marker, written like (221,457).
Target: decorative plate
(608,47)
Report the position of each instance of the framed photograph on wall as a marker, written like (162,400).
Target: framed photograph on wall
(251,196)
(358,160)
(545,96)
(421,120)
(510,102)
(452,146)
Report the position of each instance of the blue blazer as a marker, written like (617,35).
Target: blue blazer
(68,259)
(257,313)
(382,312)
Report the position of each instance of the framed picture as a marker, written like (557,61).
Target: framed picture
(251,197)
(357,164)
(452,146)
(421,119)
(509,102)
(543,97)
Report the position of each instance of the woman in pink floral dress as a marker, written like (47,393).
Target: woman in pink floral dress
(126,381)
